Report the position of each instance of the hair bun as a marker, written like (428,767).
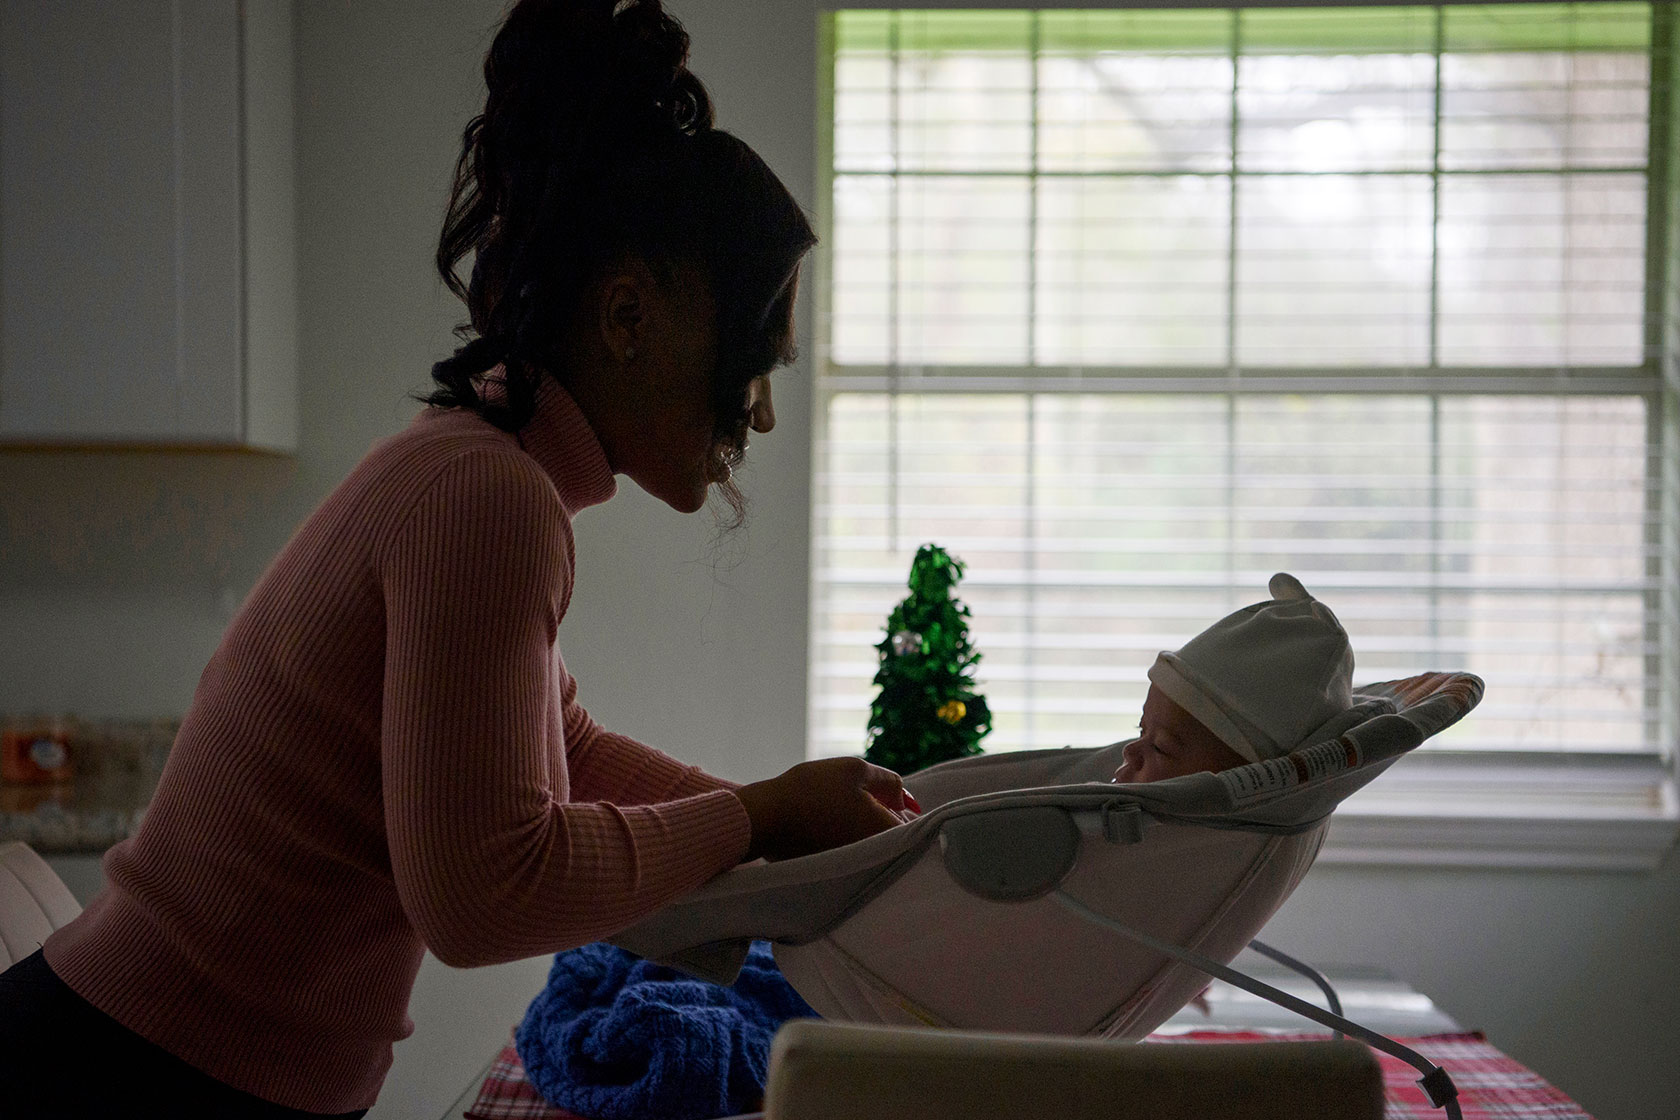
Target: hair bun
(609,66)
(650,50)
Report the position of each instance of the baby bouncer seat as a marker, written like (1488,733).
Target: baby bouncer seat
(1035,895)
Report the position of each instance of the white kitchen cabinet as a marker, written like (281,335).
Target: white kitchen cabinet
(147,261)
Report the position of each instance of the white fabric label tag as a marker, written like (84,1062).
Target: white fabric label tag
(1248,784)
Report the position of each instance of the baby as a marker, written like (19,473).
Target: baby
(1252,686)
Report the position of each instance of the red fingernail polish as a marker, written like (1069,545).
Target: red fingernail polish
(911,801)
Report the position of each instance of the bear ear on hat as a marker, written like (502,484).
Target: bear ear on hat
(1285,586)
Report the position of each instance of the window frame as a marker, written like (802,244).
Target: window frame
(1608,813)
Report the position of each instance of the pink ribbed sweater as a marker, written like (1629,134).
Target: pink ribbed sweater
(384,756)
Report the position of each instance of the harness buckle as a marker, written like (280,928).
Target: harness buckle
(1122,822)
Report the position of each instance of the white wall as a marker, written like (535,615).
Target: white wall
(118,570)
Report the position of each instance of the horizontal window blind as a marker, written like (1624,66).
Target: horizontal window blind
(1130,309)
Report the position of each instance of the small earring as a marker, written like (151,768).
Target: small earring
(629,353)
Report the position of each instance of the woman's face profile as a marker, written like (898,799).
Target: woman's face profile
(663,335)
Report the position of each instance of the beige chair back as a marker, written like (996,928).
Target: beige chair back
(840,1071)
(33,902)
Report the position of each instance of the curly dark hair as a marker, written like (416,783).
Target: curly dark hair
(596,141)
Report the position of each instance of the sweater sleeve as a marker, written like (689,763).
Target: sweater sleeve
(492,862)
(608,766)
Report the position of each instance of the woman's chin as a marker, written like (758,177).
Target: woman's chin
(684,498)
(688,495)
(690,501)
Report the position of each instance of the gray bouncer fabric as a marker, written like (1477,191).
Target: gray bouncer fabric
(979,913)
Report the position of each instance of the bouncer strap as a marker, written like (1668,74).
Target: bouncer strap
(1304,969)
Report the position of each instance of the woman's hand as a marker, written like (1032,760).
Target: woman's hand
(819,805)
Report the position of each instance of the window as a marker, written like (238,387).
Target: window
(1130,309)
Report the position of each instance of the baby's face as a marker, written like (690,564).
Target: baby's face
(1171,742)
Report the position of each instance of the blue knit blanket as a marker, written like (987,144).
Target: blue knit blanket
(615,1037)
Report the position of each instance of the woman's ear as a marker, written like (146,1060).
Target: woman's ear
(623,307)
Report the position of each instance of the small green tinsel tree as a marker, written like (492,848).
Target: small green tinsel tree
(927,710)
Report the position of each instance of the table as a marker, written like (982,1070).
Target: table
(1369,996)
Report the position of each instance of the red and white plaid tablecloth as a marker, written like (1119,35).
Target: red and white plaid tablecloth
(1491,1086)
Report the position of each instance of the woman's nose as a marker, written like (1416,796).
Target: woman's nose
(762,411)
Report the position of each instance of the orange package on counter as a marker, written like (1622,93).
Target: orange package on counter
(35,755)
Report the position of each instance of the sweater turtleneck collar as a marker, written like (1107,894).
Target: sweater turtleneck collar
(560,439)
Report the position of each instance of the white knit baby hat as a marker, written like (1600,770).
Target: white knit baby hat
(1265,677)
